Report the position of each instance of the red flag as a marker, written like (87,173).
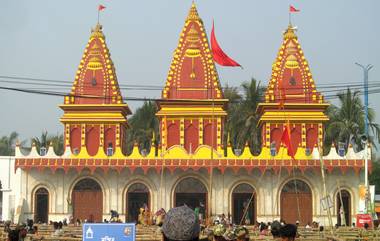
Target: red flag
(286,139)
(293,9)
(219,56)
(101,7)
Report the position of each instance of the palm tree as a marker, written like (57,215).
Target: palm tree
(145,126)
(250,132)
(347,122)
(42,142)
(241,126)
(58,144)
(234,98)
(7,144)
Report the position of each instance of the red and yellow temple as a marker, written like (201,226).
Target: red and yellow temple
(192,112)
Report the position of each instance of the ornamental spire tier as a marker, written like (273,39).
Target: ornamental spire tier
(94,112)
(193,108)
(292,97)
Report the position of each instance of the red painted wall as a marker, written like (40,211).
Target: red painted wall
(75,138)
(311,137)
(92,140)
(209,133)
(275,135)
(173,133)
(109,137)
(191,135)
(296,136)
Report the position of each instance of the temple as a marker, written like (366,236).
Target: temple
(190,166)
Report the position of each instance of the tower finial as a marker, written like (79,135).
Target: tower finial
(193,13)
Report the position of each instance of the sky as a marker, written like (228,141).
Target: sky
(46,39)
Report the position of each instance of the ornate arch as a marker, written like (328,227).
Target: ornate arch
(232,187)
(352,197)
(101,181)
(301,178)
(51,190)
(183,177)
(139,179)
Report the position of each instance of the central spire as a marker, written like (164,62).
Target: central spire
(192,73)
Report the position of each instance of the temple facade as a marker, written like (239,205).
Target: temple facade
(190,166)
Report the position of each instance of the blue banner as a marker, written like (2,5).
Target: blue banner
(109,232)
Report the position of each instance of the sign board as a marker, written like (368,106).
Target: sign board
(326,202)
(109,232)
(361,219)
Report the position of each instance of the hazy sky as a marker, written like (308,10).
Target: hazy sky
(46,39)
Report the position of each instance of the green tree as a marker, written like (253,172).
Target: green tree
(145,127)
(347,122)
(7,144)
(241,126)
(374,177)
(56,142)
(234,98)
(251,133)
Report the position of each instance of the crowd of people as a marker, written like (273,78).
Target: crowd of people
(185,224)
(182,224)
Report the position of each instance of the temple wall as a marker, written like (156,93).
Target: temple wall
(114,186)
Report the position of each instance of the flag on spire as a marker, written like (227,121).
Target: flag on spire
(101,7)
(293,9)
(286,139)
(218,54)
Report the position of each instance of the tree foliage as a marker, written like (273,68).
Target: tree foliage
(347,122)
(45,140)
(242,121)
(7,144)
(144,127)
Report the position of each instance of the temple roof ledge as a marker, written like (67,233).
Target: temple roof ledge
(18,152)
(50,151)
(33,151)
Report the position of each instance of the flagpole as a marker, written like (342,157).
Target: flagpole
(98,15)
(290,18)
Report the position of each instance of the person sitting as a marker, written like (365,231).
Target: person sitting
(57,231)
(263,230)
(141,217)
(242,234)
(181,224)
(275,230)
(159,217)
(230,235)
(288,232)
(218,232)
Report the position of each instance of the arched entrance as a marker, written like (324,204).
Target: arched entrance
(137,197)
(87,199)
(41,205)
(242,196)
(346,201)
(296,202)
(193,193)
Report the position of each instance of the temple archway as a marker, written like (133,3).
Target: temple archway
(296,202)
(193,193)
(87,200)
(345,201)
(41,205)
(138,196)
(242,196)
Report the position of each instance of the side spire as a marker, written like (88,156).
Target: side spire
(95,80)
(291,79)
